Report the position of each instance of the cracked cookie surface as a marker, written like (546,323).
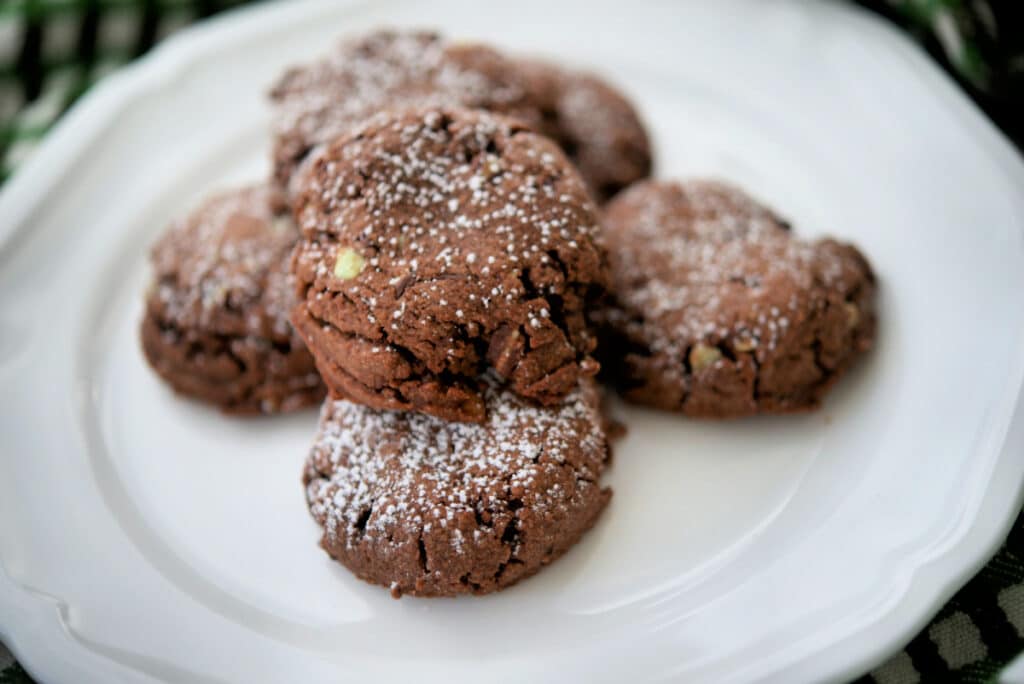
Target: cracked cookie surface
(216,321)
(437,243)
(315,103)
(433,508)
(717,310)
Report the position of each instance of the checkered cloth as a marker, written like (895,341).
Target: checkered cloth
(51,51)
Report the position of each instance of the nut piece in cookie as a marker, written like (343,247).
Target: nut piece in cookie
(432,508)
(216,322)
(437,243)
(717,310)
(594,123)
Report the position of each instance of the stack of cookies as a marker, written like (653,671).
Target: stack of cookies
(452,244)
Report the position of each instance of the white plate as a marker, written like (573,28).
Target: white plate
(143,537)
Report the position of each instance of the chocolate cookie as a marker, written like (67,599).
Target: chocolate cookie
(718,310)
(439,242)
(316,103)
(432,508)
(594,123)
(216,321)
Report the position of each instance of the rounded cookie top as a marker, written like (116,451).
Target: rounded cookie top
(220,267)
(594,123)
(316,103)
(216,323)
(719,310)
(438,242)
(434,508)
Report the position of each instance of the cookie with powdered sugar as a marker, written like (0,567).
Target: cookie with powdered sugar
(216,321)
(433,508)
(440,242)
(718,310)
(596,125)
(317,102)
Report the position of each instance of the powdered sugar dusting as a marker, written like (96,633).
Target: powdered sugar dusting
(703,261)
(317,102)
(465,224)
(385,475)
(453,197)
(223,268)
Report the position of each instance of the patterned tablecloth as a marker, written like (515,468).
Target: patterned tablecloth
(51,51)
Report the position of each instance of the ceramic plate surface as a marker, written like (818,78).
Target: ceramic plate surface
(145,538)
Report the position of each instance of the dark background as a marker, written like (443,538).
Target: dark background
(996,30)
